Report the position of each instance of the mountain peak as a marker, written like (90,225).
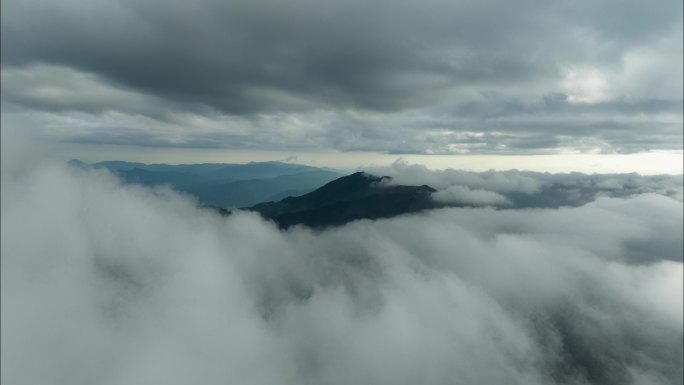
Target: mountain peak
(362,175)
(357,196)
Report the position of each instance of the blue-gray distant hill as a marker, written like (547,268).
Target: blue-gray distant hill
(225,185)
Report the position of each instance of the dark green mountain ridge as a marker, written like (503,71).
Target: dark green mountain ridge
(356,196)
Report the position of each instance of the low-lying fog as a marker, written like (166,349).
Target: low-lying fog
(106,283)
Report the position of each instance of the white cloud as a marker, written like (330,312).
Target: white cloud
(585,85)
(466,196)
(112,284)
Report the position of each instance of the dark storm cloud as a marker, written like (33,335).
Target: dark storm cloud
(462,62)
(378,55)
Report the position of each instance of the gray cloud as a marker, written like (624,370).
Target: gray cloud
(379,54)
(390,76)
(59,89)
(114,284)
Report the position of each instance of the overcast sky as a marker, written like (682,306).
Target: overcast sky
(385,77)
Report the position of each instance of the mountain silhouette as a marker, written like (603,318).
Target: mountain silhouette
(356,196)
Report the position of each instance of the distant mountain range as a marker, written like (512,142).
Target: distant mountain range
(287,193)
(224,185)
(348,198)
(291,194)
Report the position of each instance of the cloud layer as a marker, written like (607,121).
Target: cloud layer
(391,76)
(115,284)
(521,189)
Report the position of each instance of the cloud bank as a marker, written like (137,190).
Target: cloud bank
(526,189)
(116,284)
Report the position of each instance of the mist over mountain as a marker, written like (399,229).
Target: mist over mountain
(292,194)
(366,196)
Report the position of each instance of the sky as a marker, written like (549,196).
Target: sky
(119,284)
(588,86)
